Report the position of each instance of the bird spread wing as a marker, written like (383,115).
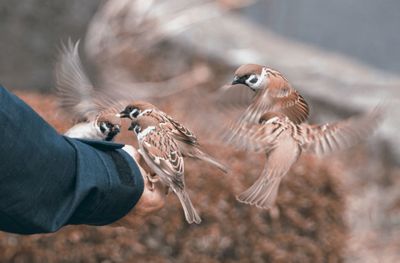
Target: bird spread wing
(324,139)
(264,191)
(161,151)
(75,91)
(256,137)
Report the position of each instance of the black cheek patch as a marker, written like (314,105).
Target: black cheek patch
(102,129)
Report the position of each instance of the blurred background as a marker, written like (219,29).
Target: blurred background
(341,55)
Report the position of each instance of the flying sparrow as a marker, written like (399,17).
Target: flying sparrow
(185,139)
(283,141)
(91,111)
(162,154)
(272,93)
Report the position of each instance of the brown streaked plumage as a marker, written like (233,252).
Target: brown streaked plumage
(283,141)
(162,154)
(248,69)
(272,92)
(186,139)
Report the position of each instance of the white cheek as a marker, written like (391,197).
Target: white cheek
(259,84)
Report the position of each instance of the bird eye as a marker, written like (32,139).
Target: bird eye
(253,79)
(137,129)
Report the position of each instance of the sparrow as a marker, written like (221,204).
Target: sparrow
(271,92)
(283,141)
(162,154)
(93,114)
(105,127)
(185,139)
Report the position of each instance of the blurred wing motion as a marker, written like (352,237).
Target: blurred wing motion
(324,139)
(162,155)
(279,160)
(137,25)
(74,89)
(123,37)
(256,137)
(76,93)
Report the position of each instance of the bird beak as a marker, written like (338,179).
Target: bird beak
(132,127)
(123,114)
(241,80)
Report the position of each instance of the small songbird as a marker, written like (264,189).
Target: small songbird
(162,154)
(95,118)
(283,141)
(272,93)
(185,139)
(105,127)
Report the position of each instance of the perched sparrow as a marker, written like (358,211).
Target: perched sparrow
(92,112)
(162,154)
(105,127)
(283,141)
(185,139)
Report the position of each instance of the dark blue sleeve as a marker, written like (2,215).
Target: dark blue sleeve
(48,181)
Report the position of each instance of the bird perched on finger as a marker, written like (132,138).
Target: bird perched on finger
(162,154)
(283,141)
(92,112)
(271,92)
(185,139)
(104,127)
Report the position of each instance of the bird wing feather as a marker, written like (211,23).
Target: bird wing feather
(74,89)
(324,139)
(161,151)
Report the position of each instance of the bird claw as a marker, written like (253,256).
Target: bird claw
(151,179)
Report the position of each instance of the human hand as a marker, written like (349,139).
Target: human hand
(154,193)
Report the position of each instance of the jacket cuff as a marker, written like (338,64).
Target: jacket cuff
(113,184)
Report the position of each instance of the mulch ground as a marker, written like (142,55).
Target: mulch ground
(307,224)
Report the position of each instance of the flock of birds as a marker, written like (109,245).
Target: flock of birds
(273,123)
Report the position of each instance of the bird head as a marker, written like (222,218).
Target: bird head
(133,109)
(142,123)
(272,117)
(252,75)
(109,126)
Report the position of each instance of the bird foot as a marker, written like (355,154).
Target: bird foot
(152,178)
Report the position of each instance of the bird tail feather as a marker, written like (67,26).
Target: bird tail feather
(188,208)
(199,154)
(207,158)
(262,193)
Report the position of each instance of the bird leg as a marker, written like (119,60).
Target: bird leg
(152,178)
